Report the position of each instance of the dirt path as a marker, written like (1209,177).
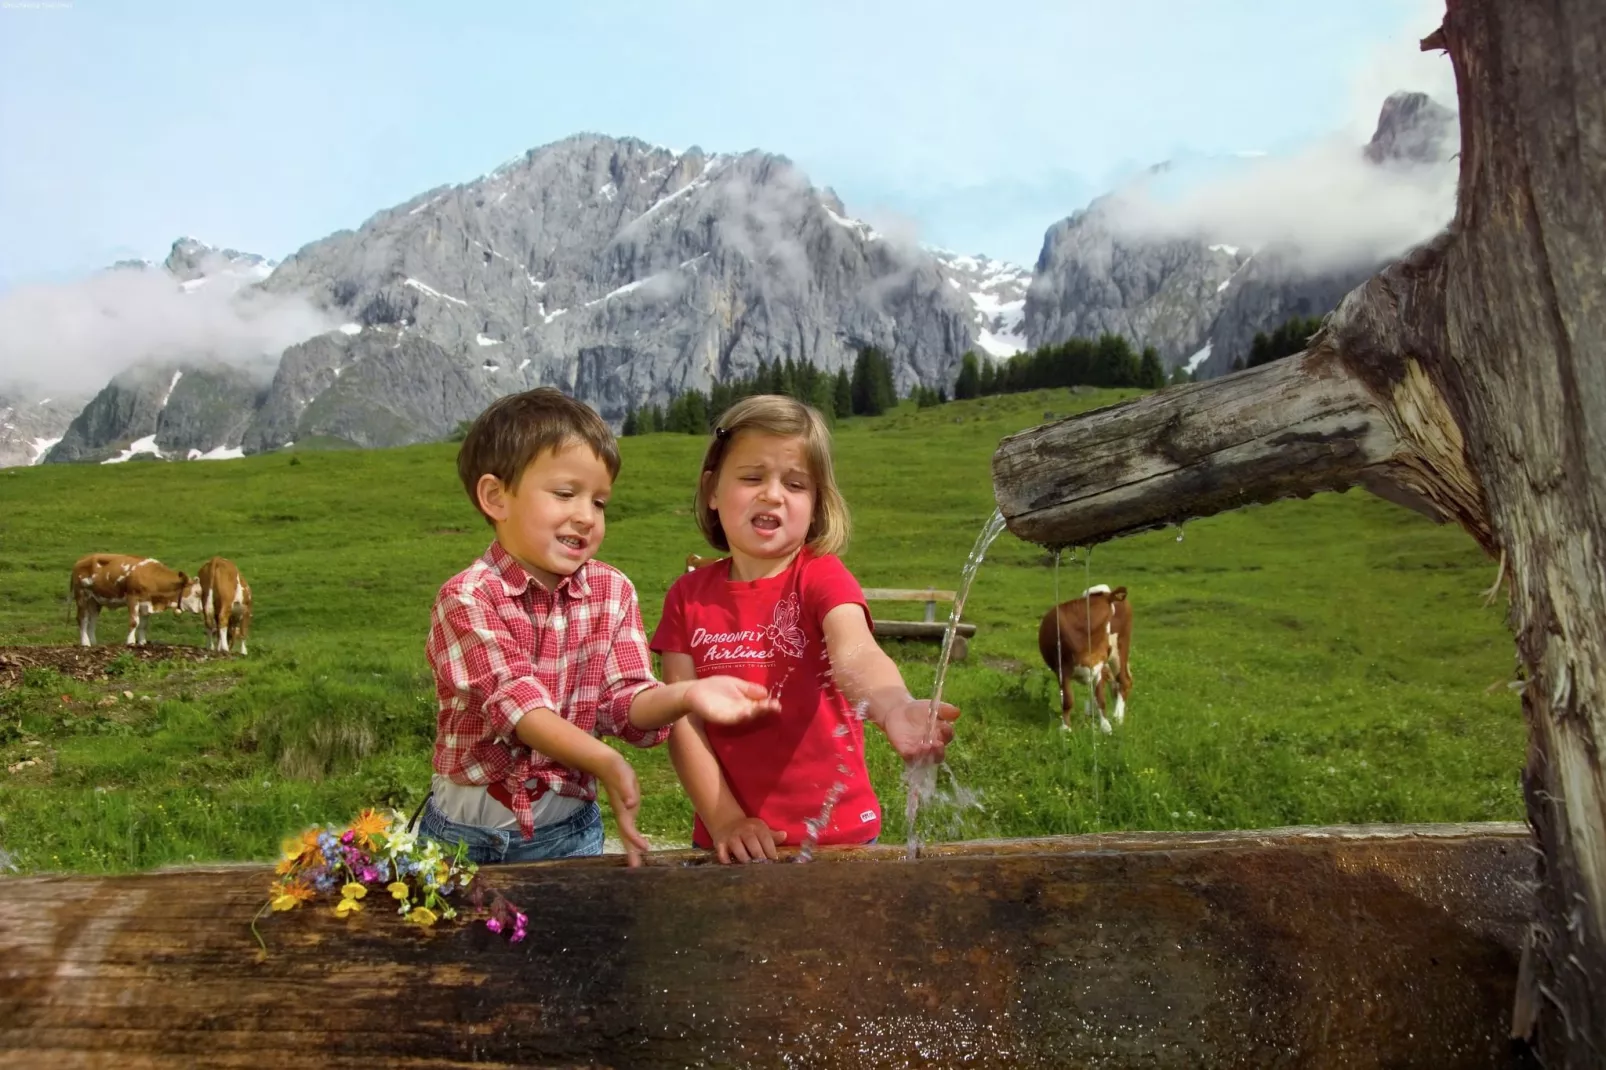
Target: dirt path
(87,663)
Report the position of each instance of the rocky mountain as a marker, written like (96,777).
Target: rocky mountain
(617,270)
(195,264)
(996,290)
(187,405)
(30,425)
(165,410)
(1199,302)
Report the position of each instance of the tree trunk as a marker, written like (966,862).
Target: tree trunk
(1468,380)
(1316,948)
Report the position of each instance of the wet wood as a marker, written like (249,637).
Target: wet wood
(1467,381)
(1310,947)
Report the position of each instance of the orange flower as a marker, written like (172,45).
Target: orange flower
(368,825)
(285,895)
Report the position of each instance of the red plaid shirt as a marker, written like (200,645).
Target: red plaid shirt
(501,644)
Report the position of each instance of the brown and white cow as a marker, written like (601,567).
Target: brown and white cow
(1089,639)
(143,584)
(225,603)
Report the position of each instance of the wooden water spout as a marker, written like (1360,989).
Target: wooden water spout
(1468,381)
(1344,947)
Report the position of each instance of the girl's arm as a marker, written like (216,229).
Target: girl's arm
(734,834)
(865,674)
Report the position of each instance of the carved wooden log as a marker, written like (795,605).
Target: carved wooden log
(1306,947)
(1469,381)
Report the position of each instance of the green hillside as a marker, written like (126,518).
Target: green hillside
(1309,662)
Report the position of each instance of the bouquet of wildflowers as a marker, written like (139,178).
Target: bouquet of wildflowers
(376,851)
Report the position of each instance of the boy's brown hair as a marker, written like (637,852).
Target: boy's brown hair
(514,430)
(777,414)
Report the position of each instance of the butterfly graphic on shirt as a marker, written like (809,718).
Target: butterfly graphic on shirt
(783,630)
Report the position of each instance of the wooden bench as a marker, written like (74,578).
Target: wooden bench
(929,628)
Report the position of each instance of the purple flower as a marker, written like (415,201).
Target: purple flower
(347,836)
(518,934)
(493,925)
(369,874)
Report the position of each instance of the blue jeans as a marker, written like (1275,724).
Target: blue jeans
(577,835)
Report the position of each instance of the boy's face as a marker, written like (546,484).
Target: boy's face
(552,521)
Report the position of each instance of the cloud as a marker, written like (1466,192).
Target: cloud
(1324,203)
(1327,204)
(73,337)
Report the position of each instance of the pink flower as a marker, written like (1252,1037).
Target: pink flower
(369,874)
(347,836)
(493,925)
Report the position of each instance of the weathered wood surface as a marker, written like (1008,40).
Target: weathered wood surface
(1468,381)
(1307,947)
(1292,427)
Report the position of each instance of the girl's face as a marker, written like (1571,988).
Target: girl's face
(764,494)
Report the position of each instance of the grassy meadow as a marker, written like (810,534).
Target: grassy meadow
(1309,662)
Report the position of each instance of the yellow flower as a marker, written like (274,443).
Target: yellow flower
(285,902)
(398,889)
(347,906)
(422,916)
(368,826)
(354,890)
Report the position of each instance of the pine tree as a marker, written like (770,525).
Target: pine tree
(1151,374)
(629,428)
(842,395)
(869,399)
(968,385)
(820,397)
(988,384)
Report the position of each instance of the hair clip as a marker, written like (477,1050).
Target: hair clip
(722,433)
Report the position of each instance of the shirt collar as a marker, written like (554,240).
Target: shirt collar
(516,579)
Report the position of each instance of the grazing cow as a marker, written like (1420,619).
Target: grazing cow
(1089,639)
(697,561)
(225,602)
(143,584)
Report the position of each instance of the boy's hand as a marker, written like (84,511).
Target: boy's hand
(727,700)
(905,726)
(746,840)
(624,795)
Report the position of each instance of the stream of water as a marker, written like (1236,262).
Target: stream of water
(920,778)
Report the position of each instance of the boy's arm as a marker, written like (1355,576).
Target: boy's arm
(546,732)
(472,650)
(732,832)
(866,675)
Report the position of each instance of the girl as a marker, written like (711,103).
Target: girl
(782,611)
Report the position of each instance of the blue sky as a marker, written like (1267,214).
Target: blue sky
(267,126)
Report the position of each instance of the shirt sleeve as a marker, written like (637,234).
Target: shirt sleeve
(670,635)
(827,583)
(473,653)
(627,673)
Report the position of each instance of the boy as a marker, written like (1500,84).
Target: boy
(537,649)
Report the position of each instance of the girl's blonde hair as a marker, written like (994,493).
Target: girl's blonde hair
(777,414)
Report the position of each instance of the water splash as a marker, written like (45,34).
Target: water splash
(814,826)
(920,778)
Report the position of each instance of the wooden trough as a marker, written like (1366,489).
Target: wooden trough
(1336,947)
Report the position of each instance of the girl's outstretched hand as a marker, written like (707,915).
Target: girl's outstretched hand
(727,700)
(905,726)
(747,840)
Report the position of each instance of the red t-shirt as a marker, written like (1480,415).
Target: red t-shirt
(783,766)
